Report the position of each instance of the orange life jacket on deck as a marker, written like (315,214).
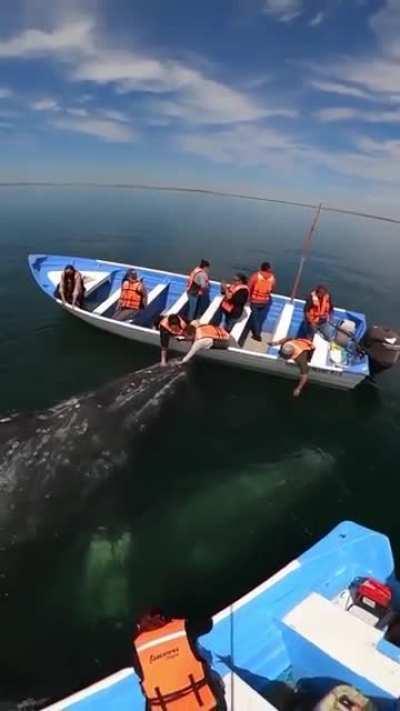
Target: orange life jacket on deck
(209,331)
(173,679)
(319,309)
(260,292)
(191,285)
(300,345)
(177,330)
(227,304)
(131,295)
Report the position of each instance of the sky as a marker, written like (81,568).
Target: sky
(298,99)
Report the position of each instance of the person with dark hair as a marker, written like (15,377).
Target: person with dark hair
(235,299)
(317,313)
(198,290)
(133,297)
(172,326)
(261,284)
(299,350)
(71,288)
(173,676)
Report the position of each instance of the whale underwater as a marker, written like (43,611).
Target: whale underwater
(52,461)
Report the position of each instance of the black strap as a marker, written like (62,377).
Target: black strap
(162,699)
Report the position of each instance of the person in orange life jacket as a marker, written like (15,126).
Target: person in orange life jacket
(133,297)
(172,326)
(198,290)
(317,313)
(300,350)
(206,336)
(261,284)
(173,676)
(71,289)
(235,299)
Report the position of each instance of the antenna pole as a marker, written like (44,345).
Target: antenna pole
(306,249)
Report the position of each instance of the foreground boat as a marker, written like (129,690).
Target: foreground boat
(167,295)
(321,621)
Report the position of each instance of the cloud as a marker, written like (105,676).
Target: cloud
(283,10)
(386,25)
(317,19)
(70,36)
(100,128)
(332,87)
(81,113)
(45,104)
(5,92)
(336,114)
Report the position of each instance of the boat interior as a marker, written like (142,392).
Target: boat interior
(167,295)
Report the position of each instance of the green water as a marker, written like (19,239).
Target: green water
(235,478)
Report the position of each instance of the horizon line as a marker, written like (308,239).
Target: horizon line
(205,191)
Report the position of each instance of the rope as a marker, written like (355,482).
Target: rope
(306,249)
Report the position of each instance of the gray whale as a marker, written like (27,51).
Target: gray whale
(52,461)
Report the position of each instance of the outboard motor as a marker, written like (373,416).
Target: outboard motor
(383,347)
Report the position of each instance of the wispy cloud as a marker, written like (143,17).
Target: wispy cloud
(331,87)
(45,104)
(361,115)
(337,113)
(5,92)
(69,36)
(107,130)
(317,19)
(283,10)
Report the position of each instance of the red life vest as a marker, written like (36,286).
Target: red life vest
(227,304)
(261,285)
(131,295)
(299,346)
(320,309)
(173,679)
(177,330)
(192,286)
(208,331)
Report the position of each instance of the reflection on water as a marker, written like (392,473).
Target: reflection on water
(237,477)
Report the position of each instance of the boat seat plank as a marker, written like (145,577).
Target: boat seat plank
(320,356)
(239,695)
(113,298)
(211,310)
(283,325)
(177,307)
(238,329)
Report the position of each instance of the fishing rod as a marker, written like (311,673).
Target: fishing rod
(306,249)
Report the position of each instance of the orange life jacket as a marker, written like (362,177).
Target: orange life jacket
(191,285)
(300,345)
(319,309)
(131,295)
(209,331)
(177,330)
(227,304)
(263,285)
(173,679)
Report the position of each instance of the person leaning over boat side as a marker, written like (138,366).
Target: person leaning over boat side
(300,350)
(206,336)
(235,299)
(172,326)
(317,313)
(261,284)
(71,288)
(133,297)
(198,290)
(173,675)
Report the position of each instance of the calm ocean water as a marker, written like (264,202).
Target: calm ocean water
(235,479)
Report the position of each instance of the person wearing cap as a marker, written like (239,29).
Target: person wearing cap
(299,350)
(133,297)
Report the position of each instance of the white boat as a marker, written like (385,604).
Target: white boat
(167,295)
